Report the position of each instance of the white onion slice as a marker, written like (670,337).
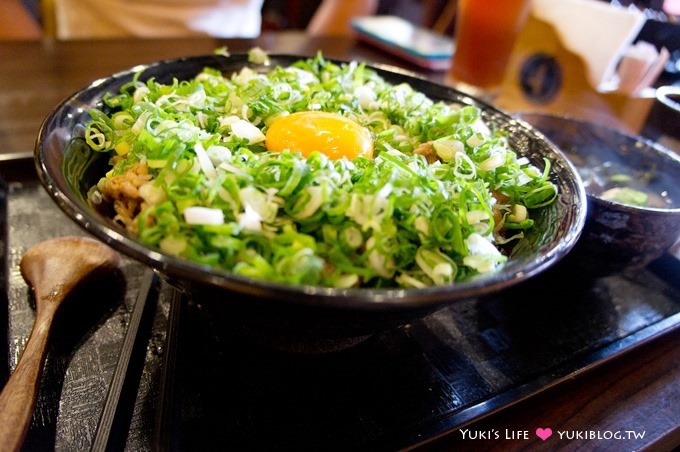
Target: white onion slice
(203,215)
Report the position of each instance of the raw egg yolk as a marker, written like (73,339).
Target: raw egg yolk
(329,133)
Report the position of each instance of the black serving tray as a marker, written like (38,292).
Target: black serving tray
(407,385)
(400,388)
(205,387)
(84,344)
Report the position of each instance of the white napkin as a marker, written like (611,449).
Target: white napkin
(639,68)
(597,31)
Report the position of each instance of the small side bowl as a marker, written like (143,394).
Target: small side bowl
(617,236)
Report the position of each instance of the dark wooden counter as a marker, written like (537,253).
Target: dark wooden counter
(638,391)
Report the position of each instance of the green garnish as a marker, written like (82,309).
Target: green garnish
(206,188)
(626,195)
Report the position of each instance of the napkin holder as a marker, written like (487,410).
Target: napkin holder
(545,76)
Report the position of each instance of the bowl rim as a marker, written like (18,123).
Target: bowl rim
(657,148)
(663,94)
(368,299)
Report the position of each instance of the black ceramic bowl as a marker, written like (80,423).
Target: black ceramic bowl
(68,169)
(618,236)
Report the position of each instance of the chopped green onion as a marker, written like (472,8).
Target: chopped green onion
(210,191)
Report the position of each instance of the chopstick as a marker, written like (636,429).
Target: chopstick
(165,430)
(111,427)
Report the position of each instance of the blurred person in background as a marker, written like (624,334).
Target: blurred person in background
(88,19)
(91,19)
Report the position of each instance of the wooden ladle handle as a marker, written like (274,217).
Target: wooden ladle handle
(19,395)
(53,268)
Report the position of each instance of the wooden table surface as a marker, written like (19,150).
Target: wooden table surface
(638,391)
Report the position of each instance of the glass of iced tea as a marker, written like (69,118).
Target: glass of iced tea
(485,32)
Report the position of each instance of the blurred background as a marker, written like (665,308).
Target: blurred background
(24,19)
(89,19)
(275,14)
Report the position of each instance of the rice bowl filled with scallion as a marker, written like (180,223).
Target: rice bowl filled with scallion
(317,173)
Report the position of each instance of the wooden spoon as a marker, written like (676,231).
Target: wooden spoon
(53,268)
